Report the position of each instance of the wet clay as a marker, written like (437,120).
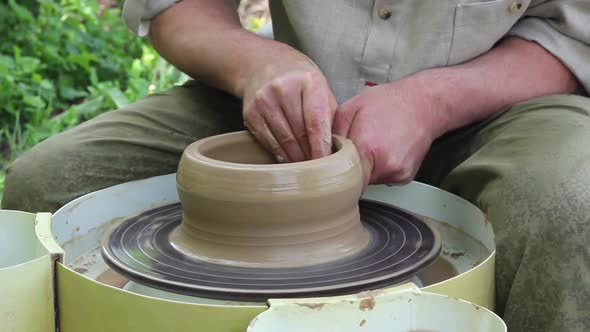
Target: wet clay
(441,269)
(241,208)
(112,278)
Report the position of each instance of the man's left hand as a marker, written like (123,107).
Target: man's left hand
(392,126)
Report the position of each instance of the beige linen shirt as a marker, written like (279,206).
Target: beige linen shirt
(357,43)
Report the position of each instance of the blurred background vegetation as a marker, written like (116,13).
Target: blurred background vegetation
(63,62)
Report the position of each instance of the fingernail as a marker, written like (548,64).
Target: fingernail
(280,158)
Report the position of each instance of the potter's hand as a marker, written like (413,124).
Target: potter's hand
(289,108)
(392,126)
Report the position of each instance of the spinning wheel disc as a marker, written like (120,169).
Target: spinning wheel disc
(400,246)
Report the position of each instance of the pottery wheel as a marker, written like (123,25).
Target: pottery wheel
(400,246)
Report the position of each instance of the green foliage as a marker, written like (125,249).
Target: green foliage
(63,62)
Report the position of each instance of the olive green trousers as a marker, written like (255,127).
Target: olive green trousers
(527,168)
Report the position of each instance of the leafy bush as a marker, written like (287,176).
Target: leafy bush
(63,62)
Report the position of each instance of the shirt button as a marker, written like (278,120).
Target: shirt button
(514,7)
(385,12)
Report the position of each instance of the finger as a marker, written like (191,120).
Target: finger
(402,176)
(290,101)
(259,129)
(317,117)
(344,118)
(279,126)
(367,165)
(361,139)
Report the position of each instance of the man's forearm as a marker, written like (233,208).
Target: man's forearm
(515,71)
(205,40)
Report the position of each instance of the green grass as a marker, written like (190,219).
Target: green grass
(64,62)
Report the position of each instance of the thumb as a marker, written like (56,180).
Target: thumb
(367,165)
(343,119)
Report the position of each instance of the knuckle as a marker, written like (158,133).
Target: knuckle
(314,75)
(308,78)
(404,174)
(397,168)
(284,136)
(278,85)
(287,141)
(301,136)
(263,106)
(259,95)
(403,177)
(315,126)
(398,180)
(248,113)
(379,151)
(264,94)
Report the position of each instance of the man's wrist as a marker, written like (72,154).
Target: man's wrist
(278,59)
(456,97)
(434,93)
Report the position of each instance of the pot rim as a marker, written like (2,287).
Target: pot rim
(196,155)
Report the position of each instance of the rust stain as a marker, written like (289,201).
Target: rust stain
(363,322)
(367,304)
(73,207)
(312,306)
(457,255)
(370,293)
(80,270)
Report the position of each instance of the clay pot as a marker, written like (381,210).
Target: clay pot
(242,208)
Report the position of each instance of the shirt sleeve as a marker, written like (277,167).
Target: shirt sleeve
(562,27)
(138,13)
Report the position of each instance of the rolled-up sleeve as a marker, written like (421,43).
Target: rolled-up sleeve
(562,27)
(138,13)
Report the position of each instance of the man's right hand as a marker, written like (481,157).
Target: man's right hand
(288,105)
(289,108)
